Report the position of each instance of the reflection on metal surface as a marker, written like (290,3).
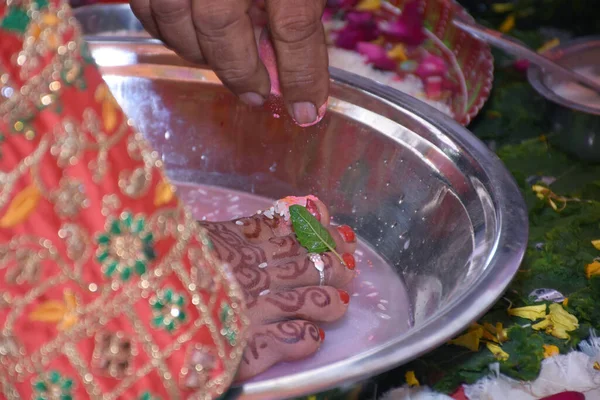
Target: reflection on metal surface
(428,196)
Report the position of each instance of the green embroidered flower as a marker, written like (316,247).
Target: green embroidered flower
(148,396)
(227,319)
(168,309)
(53,386)
(126,248)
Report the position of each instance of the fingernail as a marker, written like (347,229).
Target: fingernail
(349,261)
(347,233)
(312,208)
(344,296)
(252,99)
(304,113)
(321,334)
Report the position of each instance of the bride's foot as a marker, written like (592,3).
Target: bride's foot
(286,295)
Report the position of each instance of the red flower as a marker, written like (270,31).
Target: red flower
(376,56)
(407,28)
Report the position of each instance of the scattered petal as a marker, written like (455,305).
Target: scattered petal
(597,366)
(592,269)
(411,379)
(558,322)
(596,244)
(470,340)
(497,351)
(508,24)
(21,206)
(549,45)
(398,53)
(49,311)
(532,313)
(550,350)
(369,5)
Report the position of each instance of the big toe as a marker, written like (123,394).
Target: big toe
(279,342)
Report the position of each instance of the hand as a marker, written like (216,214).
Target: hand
(220,33)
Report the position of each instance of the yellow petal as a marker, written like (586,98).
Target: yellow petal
(541,325)
(592,269)
(550,350)
(369,5)
(380,41)
(502,7)
(49,311)
(397,53)
(549,45)
(163,194)
(470,340)
(100,93)
(560,316)
(540,189)
(21,207)
(597,366)
(497,351)
(411,379)
(508,24)
(596,244)
(530,312)
(565,302)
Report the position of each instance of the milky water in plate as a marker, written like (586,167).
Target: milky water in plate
(379,308)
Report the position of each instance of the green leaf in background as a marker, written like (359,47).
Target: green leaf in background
(311,234)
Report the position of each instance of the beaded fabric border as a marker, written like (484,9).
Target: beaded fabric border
(109,289)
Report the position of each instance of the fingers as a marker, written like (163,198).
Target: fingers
(299,41)
(317,304)
(279,342)
(175,27)
(226,37)
(141,9)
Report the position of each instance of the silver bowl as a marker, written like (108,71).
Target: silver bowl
(421,190)
(576,126)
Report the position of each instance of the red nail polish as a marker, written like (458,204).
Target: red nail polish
(349,261)
(321,334)
(312,208)
(347,233)
(566,396)
(344,296)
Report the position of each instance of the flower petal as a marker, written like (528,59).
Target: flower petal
(377,56)
(550,350)
(21,206)
(411,379)
(369,5)
(497,351)
(596,244)
(592,269)
(530,312)
(470,340)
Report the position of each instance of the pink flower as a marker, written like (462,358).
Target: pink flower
(360,27)
(376,56)
(431,66)
(521,65)
(407,28)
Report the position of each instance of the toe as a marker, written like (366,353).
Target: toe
(278,342)
(317,304)
(345,238)
(300,271)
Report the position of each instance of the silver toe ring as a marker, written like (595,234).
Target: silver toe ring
(319,266)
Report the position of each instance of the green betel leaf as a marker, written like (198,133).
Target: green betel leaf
(311,234)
